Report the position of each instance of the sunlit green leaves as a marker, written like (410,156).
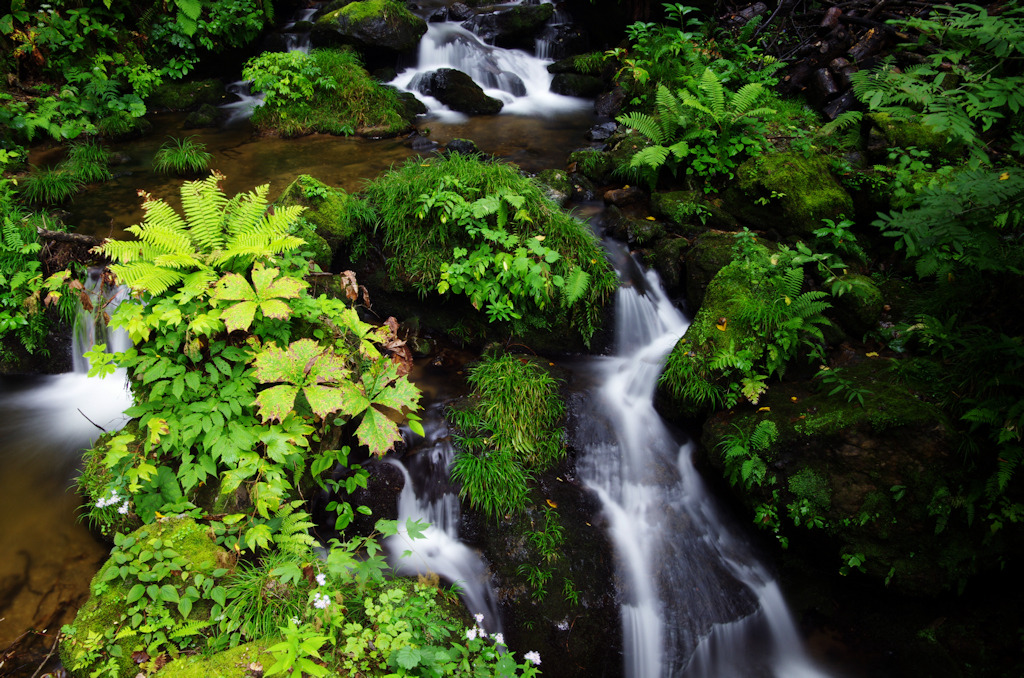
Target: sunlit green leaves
(266,293)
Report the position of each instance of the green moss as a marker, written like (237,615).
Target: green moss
(859,308)
(690,212)
(916,134)
(182,95)
(797,193)
(357,105)
(811,486)
(331,219)
(594,165)
(233,663)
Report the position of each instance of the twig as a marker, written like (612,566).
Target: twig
(49,654)
(90,420)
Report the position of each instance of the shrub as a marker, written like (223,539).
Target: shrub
(464,225)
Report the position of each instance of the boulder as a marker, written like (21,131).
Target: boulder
(370,25)
(513,27)
(576,85)
(457,91)
(204,116)
(788,193)
(331,217)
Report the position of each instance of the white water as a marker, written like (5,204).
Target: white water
(437,502)
(518,79)
(696,601)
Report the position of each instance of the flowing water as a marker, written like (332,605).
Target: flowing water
(696,600)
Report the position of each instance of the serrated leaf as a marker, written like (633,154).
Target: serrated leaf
(401,394)
(377,432)
(276,402)
(324,399)
(407,657)
(239,316)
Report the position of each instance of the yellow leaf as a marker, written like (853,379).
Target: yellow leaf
(539,238)
(551,503)
(788,301)
(722,322)
(1004,176)
(650,219)
(793,398)
(764,409)
(872,354)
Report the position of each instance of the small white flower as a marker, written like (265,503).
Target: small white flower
(483,634)
(471,634)
(532,657)
(320,601)
(499,639)
(479,618)
(123,508)
(321,579)
(295,620)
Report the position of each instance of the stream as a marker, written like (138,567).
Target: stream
(696,600)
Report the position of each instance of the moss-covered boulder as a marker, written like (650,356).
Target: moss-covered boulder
(242,661)
(121,126)
(512,27)
(370,25)
(207,115)
(888,133)
(709,253)
(577,85)
(184,95)
(787,192)
(559,188)
(332,216)
(860,306)
(874,478)
(690,212)
(141,570)
(593,164)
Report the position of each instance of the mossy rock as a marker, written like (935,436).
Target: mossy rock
(332,215)
(181,95)
(577,85)
(370,25)
(106,606)
(593,164)
(877,474)
(121,126)
(206,115)
(708,254)
(690,213)
(899,134)
(860,307)
(515,26)
(668,257)
(233,663)
(559,188)
(796,192)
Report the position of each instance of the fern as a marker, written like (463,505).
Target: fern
(645,124)
(576,286)
(293,536)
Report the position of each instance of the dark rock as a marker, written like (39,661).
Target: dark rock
(457,91)
(513,27)
(627,195)
(583,189)
(205,116)
(601,132)
(421,144)
(370,25)
(689,212)
(610,103)
(459,11)
(556,184)
(463,147)
(575,85)
(381,493)
(559,40)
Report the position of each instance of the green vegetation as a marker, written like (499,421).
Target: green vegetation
(499,447)
(182,157)
(467,226)
(325,91)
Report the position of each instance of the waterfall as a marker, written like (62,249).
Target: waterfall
(437,503)
(695,599)
(518,79)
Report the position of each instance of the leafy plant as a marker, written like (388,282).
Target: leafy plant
(708,129)
(182,157)
(744,453)
(88,162)
(833,379)
(49,185)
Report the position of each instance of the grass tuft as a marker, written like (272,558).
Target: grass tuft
(182,157)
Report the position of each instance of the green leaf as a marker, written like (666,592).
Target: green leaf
(137,592)
(276,403)
(377,432)
(407,657)
(168,594)
(185,607)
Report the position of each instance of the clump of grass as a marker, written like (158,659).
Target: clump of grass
(355,104)
(49,185)
(182,157)
(88,161)
(508,428)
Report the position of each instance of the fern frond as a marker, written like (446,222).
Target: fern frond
(764,434)
(146,277)
(204,204)
(644,124)
(246,211)
(715,93)
(792,282)
(576,284)
(746,97)
(845,120)
(192,627)
(652,156)
(668,113)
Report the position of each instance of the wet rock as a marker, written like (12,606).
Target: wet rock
(330,216)
(383,487)
(575,85)
(457,91)
(593,164)
(180,95)
(601,132)
(690,212)
(610,104)
(513,27)
(463,147)
(627,195)
(858,309)
(556,184)
(205,116)
(370,25)
(422,144)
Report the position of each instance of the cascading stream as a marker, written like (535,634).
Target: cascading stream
(695,599)
(436,501)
